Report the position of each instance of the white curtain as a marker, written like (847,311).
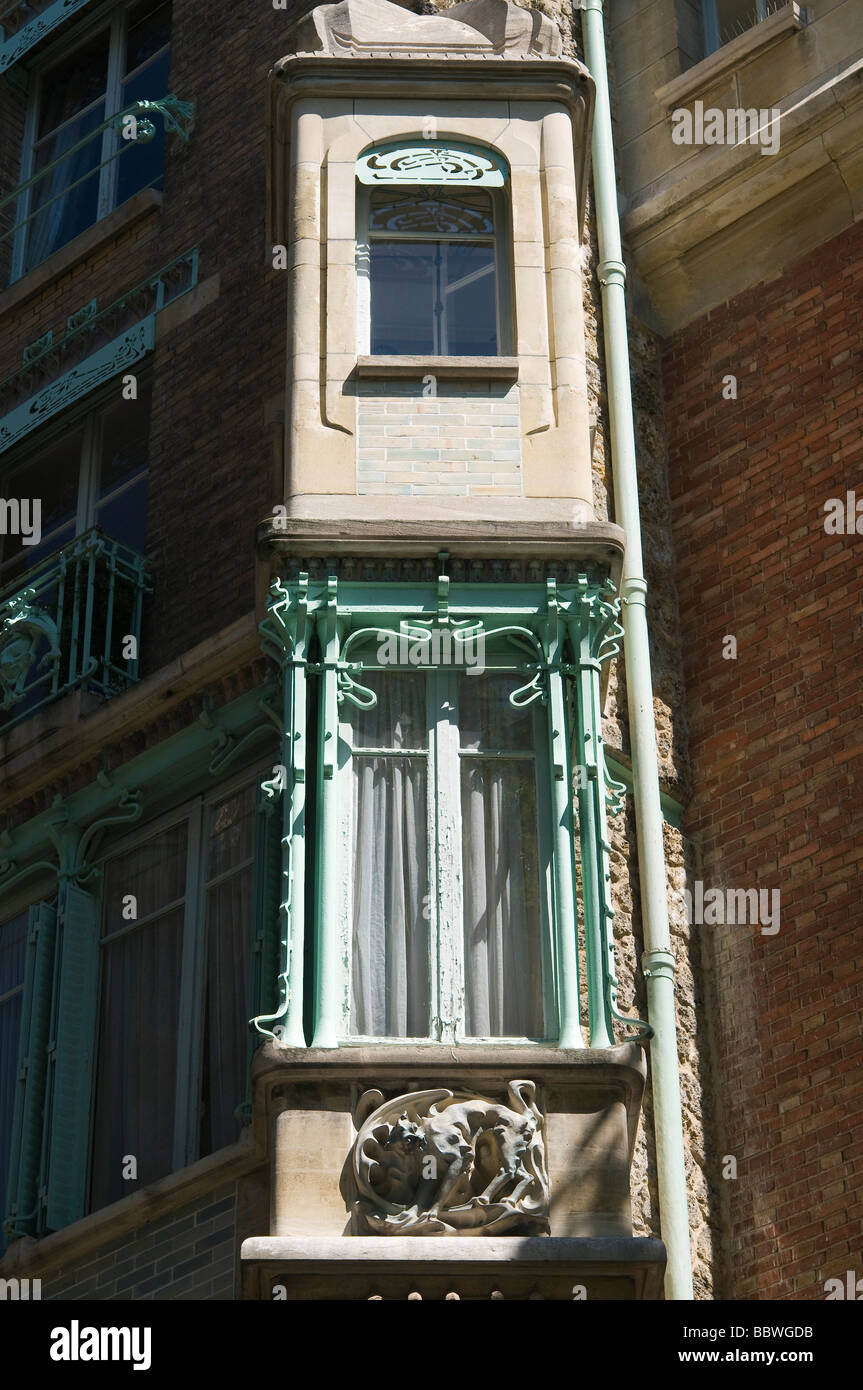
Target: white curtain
(502,959)
(390,971)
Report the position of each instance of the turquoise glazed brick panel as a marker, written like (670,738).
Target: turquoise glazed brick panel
(459,441)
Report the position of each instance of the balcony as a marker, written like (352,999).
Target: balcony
(73,622)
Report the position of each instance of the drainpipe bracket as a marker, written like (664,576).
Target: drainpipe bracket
(612,273)
(658,965)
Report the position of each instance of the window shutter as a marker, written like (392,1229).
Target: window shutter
(74,1047)
(28,1115)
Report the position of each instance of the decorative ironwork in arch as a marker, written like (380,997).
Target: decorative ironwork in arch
(432,163)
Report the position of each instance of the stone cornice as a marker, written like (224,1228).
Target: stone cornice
(563,81)
(731,216)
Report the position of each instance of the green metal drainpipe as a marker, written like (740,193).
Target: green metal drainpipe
(658,959)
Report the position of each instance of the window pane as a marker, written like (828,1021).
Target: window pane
(125,431)
(137,1063)
(469,300)
(124,516)
(390,974)
(52,476)
(141,165)
(148,30)
(502,940)
(65,200)
(13,946)
(487,720)
(154,873)
(424,210)
(226,1012)
(735,16)
(73,83)
(403,294)
(399,718)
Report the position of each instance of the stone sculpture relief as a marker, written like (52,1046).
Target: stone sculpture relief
(477,27)
(445,1162)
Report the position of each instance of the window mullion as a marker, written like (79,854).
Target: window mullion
(113,90)
(88,474)
(192,992)
(449,859)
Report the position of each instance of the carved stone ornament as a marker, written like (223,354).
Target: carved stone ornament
(451,1163)
(477,28)
(24,626)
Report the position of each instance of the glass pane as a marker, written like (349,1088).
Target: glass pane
(140,165)
(125,432)
(226,1008)
(502,931)
(73,83)
(13,946)
(487,721)
(124,516)
(52,476)
(137,1064)
(469,300)
(148,28)
(154,872)
(61,209)
(735,16)
(417,210)
(399,718)
(404,296)
(232,825)
(390,973)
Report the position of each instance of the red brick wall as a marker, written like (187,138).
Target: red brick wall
(777,749)
(214,467)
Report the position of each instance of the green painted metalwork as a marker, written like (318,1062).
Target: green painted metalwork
(117,356)
(178,117)
(556,635)
(285,635)
(135,312)
(16,45)
(620,782)
(65,629)
(425,162)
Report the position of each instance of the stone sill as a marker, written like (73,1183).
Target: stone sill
(640,1260)
(81,246)
(444,368)
(730,56)
(132,1212)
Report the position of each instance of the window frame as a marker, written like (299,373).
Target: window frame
(444,757)
(116,25)
(191,1008)
(502,241)
(88,415)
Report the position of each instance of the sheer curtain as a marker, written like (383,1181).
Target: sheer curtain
(13,948)
(390,973)
(502,925)
(139,1012)
(226,1012)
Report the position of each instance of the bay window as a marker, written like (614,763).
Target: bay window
(433,252)
(449,887)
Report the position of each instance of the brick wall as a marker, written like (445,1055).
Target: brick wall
(777,750)
(461,441)
(187,1255)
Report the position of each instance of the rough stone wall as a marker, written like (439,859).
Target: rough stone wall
(776,748)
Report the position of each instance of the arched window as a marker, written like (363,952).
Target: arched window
(433,252)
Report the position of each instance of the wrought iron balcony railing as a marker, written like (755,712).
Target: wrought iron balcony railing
(135,119)
(72,622)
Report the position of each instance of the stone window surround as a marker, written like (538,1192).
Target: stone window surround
(324,115)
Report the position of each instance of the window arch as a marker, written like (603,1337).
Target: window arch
(433,251)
